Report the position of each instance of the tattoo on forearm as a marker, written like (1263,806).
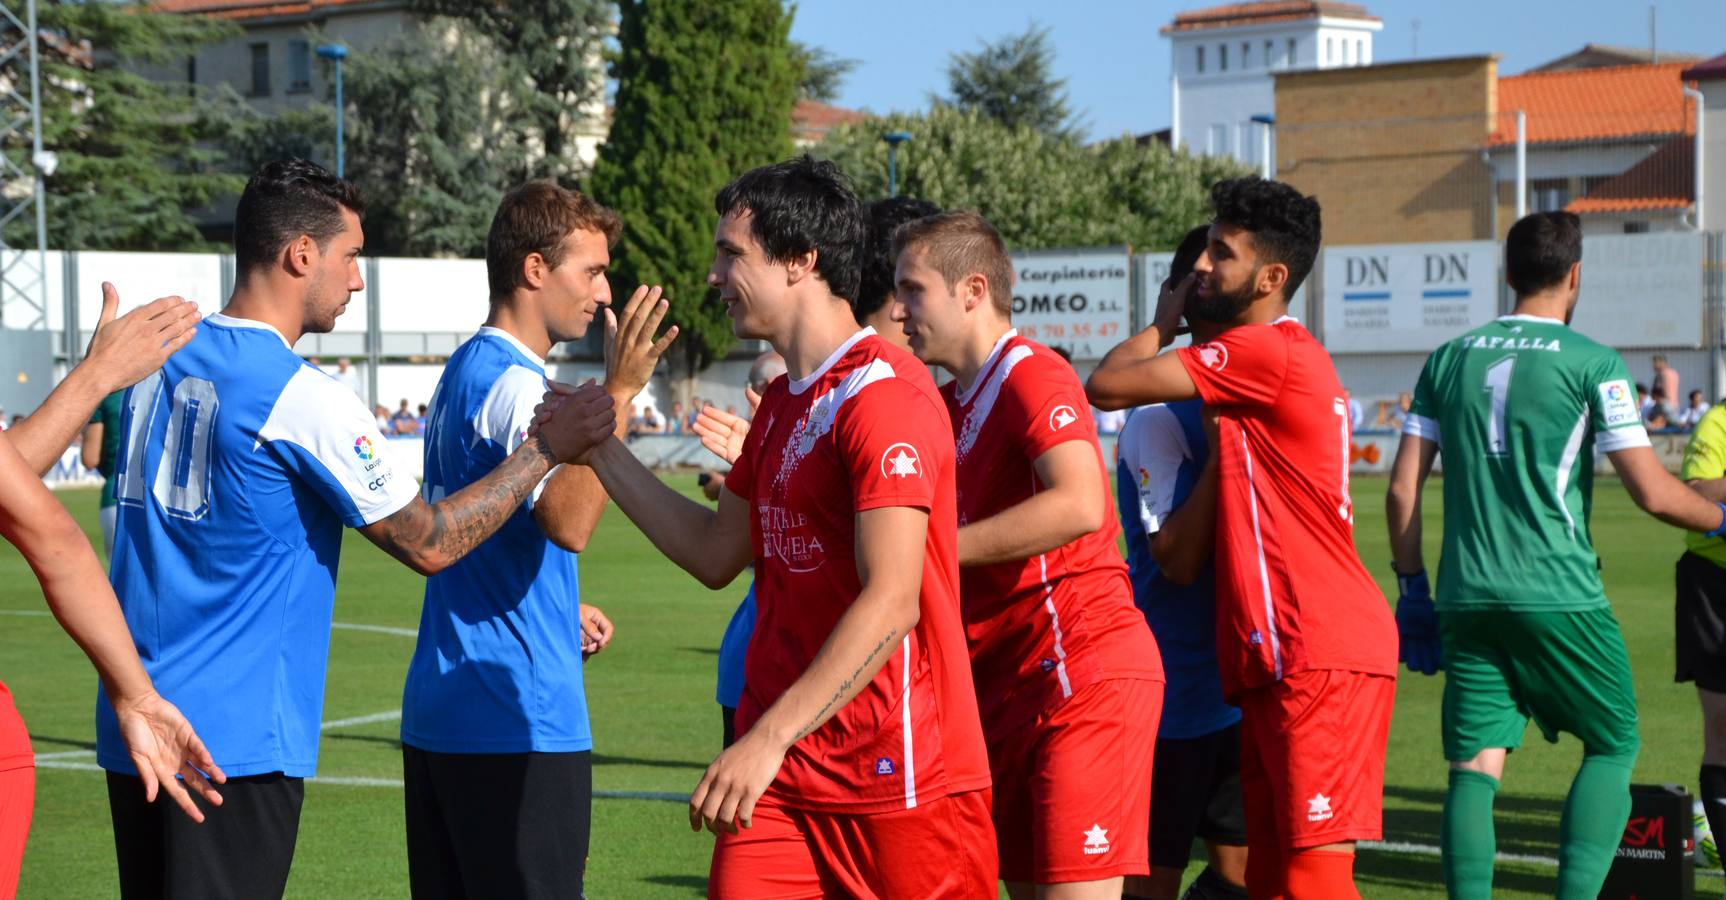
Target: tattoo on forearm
(839,697)
(455,525)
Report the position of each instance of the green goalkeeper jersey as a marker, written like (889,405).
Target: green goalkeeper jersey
(1517,407)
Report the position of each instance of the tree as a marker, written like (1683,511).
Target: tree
(557,47)
(704,92)
(1012,82)
(134,154)
(1040,191)
(432,170)
(823,72)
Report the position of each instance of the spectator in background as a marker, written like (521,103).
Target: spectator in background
(347,375)
(1643,400)
(403,422)
(1666,379)
(1656,407)
(1356,415)
(420,420)
(674,421)
(695,404)
(101,445)
(382,413)
(651,421)
(1692,413)
(1657,420)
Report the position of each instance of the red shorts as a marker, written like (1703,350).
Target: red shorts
(1073,787)
(939,849)
(17,792)
(1312,758)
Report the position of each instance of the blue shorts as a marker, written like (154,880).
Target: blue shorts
(733,648)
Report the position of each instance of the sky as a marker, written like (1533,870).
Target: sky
(1117,63)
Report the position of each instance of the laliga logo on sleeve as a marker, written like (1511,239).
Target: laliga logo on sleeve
(900,461)
(363,448)
(1214,356)
(1061,416)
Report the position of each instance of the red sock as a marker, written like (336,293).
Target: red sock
(1320,875)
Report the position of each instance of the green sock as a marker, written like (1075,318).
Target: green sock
(1470,846)
(1593,824)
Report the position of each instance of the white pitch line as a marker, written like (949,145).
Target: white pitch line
(376,629)
(25,612)
(390,716)
(63,754)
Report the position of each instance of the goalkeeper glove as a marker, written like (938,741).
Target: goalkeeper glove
(1417,624)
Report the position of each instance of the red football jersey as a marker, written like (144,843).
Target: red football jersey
(1292,594)
(865,430)
(1042,628)
(14,740)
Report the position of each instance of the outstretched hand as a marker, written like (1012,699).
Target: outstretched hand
(721,432)
(631,352)
(724,800)
(574,420)
(125,349)
(162,745)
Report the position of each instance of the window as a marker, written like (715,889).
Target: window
(260,70)
(1345,52)
(1200,58)
(1269,63)
(299,66)
(1635,227)
(1548,194)
(1246,55)
(1329,50)
(1291,59)
(1360,52)
(1222,57)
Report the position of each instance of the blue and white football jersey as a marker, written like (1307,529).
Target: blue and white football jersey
(238,467)
(1161,451)
(497,668)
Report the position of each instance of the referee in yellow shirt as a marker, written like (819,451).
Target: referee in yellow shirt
(1701,610)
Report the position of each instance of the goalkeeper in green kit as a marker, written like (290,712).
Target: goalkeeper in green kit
(1522,626)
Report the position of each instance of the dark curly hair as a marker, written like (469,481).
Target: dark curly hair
(285,199)
(800,205)
(880,220)
(1284,224)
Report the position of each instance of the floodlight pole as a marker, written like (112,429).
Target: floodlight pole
(894,139)
(337,53)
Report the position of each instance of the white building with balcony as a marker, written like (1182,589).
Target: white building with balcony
(1221,85)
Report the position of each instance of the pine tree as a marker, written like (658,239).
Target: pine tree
(1012,81)
(134,154)
(704,92)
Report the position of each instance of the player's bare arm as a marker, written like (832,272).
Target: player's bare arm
(122,352)
(1414,457)
(569,508)
(1187,537)
(1662,495)
(712,545)
(160,741)
(1072,504)
(1137,371)
(431,537)
(890,545)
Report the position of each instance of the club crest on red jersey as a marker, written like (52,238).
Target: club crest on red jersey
(1062,416)
(1214,356)
(900,461)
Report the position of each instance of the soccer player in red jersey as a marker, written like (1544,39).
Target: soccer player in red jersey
(1069,682)
(860,768)
(1305,640)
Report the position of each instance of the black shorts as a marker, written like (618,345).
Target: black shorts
(243,848)
(1700,626)
(497,825)
(1196,793)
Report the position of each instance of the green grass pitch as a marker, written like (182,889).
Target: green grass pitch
(656,725)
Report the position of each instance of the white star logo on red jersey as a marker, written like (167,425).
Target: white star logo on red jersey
(900,464)
(1062,416)
(1214,356)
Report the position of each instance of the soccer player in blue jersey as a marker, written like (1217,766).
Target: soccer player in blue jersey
(1166,485)
(496,744)
(239,466)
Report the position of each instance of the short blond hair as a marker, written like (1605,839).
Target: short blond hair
(960,244)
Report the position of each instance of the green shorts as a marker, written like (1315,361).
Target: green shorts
(1568,671)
